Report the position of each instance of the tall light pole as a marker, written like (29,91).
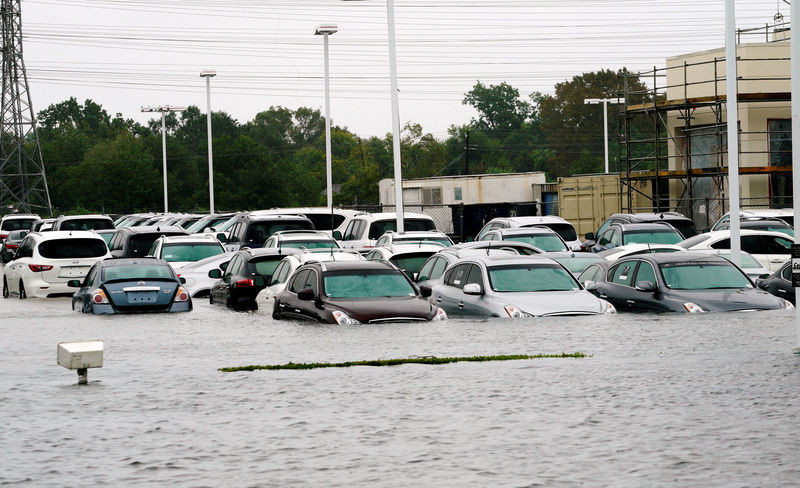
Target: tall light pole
(795,87)
(605,102)
(326,31)
(398,177)
(164,109)
(208,74)
(732,109)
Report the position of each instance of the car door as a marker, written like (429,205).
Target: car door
(618,286)
(289,305)
(778,251)
(81,299)
(474,305)
(645,301)
(447,295)
(221,289)
(780,284)
(14,269)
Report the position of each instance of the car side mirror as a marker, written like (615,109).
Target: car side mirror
(221,237)
(762,283)
(260,281)
(589,236)
(306,294)
(215,273)
(590,285)
(425,291)
(337,235)
(473,289)
(182,280)
(646,286)
(23,234)
(74,283)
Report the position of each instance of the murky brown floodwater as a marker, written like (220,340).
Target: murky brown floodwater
(705,400)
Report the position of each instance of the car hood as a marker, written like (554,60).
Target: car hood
(573,302)
(367,310)
(728,299)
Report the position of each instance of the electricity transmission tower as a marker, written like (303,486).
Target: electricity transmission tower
(23,185)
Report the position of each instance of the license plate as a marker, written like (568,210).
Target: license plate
(141,297)
(72,271)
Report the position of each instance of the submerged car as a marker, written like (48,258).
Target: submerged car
(180,250)
(406,256)
(198,283)
(12,241)
(290,263)
(575,262)
(353,292)
(125,285)
(779,283)
(678,282)
(247,273)
(513,287)
(540,237)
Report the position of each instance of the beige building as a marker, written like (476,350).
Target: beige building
(467,189)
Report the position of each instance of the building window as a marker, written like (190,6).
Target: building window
(780,154)
(457,193)
(431,196)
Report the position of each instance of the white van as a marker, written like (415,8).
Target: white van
(365,229)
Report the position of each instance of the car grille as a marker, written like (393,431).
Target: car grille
(397,319)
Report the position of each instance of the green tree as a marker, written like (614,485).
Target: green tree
(499,106)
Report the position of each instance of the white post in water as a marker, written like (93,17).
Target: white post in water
(795,67)
(733,130)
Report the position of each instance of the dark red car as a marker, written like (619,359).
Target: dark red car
(353,292)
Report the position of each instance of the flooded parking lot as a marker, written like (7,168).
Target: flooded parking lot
(699,400)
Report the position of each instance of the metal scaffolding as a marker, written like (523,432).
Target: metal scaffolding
(23,184)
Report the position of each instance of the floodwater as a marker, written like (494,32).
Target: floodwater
(701,400)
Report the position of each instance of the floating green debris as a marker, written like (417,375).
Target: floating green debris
(396,362)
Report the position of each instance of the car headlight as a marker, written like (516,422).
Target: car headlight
(514,312)
(608,308)
(440,315)
(787,304)
(342,318)
(693,307)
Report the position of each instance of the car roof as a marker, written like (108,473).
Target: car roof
(652,216)
(645,226)
(570,254)
(190,238)
(83,216)
(678,257)
(306,210)
(714,234)
(354,265)
(533,229)
(327,256)
(393,215)
(409,248)
(20,216)
(144,260)
(501,259)
(268,217)
(268,251)
(288,235)
(533,219)
(66,234)
(154,229)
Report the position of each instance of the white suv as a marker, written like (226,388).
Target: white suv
(16,222)
(179,251)
(44,263)
(558,224)
(365,229)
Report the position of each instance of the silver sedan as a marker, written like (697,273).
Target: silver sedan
(501,286)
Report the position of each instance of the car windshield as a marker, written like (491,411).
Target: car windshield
(577,265)
(748,261)
(544,242)
(17,224)
(410,262)
(653,237)
(703,275)
(367,284)
(320,244)
(772,227)
(73,248)
(265,266)
(106,236)
(206,222)
(438,240)
(137,272)
(530,278)
(86,224)
(194,251)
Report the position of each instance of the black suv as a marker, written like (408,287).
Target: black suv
(247,273)
(637,233)
(683,224)
(133,242)
(253,230)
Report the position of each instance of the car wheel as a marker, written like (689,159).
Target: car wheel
(5,288)
(22,294)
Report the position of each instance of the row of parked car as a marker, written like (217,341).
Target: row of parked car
(517,267)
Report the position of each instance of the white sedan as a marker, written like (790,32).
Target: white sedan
(44,263)
(771,249)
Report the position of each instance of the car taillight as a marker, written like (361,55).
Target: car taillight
(11,246)
(181,296)
(99,296)
(245,283)
(39,267)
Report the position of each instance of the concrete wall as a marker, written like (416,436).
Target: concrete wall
(493,188)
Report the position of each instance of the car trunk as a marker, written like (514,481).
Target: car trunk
(144,295)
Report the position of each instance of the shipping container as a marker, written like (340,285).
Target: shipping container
(586,201)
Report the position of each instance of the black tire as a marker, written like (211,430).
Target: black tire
(22,294)
(5,288)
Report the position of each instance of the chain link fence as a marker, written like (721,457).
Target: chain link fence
(705,212)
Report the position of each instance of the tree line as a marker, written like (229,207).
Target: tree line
(101,163)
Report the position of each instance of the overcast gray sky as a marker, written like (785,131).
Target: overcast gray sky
(125,54)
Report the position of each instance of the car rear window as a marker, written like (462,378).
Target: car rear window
(667,236)
(685,227)
(137,272)
(380,227)
(73,248)
(17,224)
(86,224)
(194,251)
(140,244)
(566,231)
(410,262)
(265,266)
(261,231)
(325,221)
(315,244)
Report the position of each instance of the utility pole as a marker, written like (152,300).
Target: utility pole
(23,185)
(466,155)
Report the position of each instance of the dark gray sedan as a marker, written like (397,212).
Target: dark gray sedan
(677,282)
(513,286)
(779,283)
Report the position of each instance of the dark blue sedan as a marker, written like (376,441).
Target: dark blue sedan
(130,285)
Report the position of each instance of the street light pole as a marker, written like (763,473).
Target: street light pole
(164,109)
(325,31)
(605,102)
(795,87)
(208,74)
(732,109)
